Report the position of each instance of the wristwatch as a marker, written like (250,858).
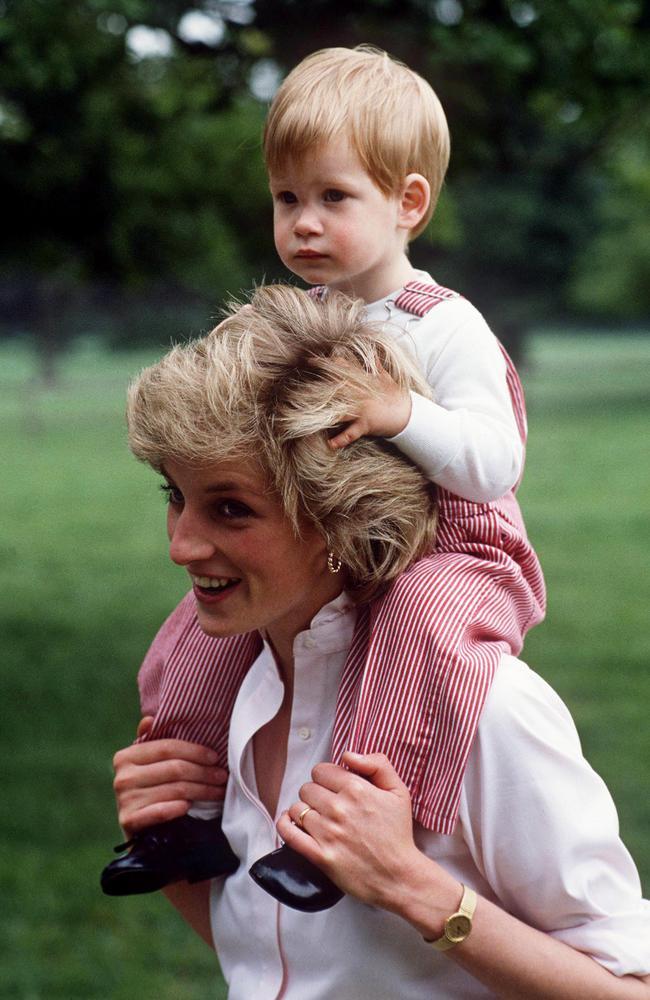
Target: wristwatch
(459,924)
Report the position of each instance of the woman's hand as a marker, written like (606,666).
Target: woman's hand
(358,828)
(157,781)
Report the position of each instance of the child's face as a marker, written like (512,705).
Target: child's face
(333,226)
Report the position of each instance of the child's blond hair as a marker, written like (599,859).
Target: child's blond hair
(268,385)
(391,116)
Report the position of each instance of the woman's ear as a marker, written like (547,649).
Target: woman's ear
(414,201)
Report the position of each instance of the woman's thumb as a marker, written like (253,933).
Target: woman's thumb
(144,726)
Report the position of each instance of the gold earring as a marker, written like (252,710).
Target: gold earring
(333,563)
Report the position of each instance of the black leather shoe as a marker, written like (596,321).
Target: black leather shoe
(183,849)
(294,881)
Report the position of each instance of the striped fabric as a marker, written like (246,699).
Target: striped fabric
(422,657)
(189,681)
(419,297)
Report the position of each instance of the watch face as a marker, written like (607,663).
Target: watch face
(458,927)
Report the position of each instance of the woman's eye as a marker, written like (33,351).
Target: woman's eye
(233,510)
(333,194)
(171,493)
(287,197)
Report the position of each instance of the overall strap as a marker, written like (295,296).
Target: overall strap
(420,297)
(516,391)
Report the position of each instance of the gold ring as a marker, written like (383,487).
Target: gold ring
(302,816)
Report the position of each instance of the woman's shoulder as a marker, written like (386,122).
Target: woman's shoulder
(543,829)
(522,707)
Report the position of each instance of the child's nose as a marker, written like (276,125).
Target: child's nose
(188,542)
(307,222)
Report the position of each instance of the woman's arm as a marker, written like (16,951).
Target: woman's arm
(360,833)
(508,956)
(193,904)
(155,782)
(516,961)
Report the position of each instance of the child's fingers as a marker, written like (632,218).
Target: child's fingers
(352,432)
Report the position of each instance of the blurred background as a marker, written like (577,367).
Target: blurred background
(133,203)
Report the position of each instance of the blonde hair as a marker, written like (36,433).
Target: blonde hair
(391,116)
(270,383)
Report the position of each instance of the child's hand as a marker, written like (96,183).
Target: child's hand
(157,781)
(383,415)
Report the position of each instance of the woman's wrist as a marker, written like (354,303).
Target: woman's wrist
(426,896)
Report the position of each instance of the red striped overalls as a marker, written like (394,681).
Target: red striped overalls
(423,654)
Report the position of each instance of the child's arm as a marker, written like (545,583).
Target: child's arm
(465,441)
(382,415)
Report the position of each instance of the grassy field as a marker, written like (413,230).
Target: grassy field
(84,581)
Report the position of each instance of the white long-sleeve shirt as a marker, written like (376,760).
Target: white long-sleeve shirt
(537,835)
(466,439)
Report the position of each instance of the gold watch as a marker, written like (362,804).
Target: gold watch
(459,924)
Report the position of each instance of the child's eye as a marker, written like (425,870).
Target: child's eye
(286,197)
(172,494)
(333,194)
(233,510)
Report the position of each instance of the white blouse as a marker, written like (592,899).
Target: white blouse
(537,834)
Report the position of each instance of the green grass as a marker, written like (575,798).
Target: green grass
(85,581)
(585,497)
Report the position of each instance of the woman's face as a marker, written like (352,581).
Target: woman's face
(248,569)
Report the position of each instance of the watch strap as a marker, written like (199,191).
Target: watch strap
(451,935)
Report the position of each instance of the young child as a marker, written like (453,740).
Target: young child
(356,147)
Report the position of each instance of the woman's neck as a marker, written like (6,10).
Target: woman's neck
(270,742)
(281,635)
(283,656)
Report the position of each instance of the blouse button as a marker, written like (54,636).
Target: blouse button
(304,732)
(309,642)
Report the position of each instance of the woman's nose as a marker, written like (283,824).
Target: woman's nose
(188,541)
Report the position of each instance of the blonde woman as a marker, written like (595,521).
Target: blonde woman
(295,545)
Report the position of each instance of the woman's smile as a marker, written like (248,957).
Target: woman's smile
(212,588)
(248,567)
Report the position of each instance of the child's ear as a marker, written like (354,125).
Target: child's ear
(414,201)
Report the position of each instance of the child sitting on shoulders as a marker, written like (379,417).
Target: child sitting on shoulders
(356,147)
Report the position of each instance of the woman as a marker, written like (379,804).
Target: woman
(533,894)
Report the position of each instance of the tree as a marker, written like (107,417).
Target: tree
(612,272)
(140,183)
(537,94)
(128,171)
